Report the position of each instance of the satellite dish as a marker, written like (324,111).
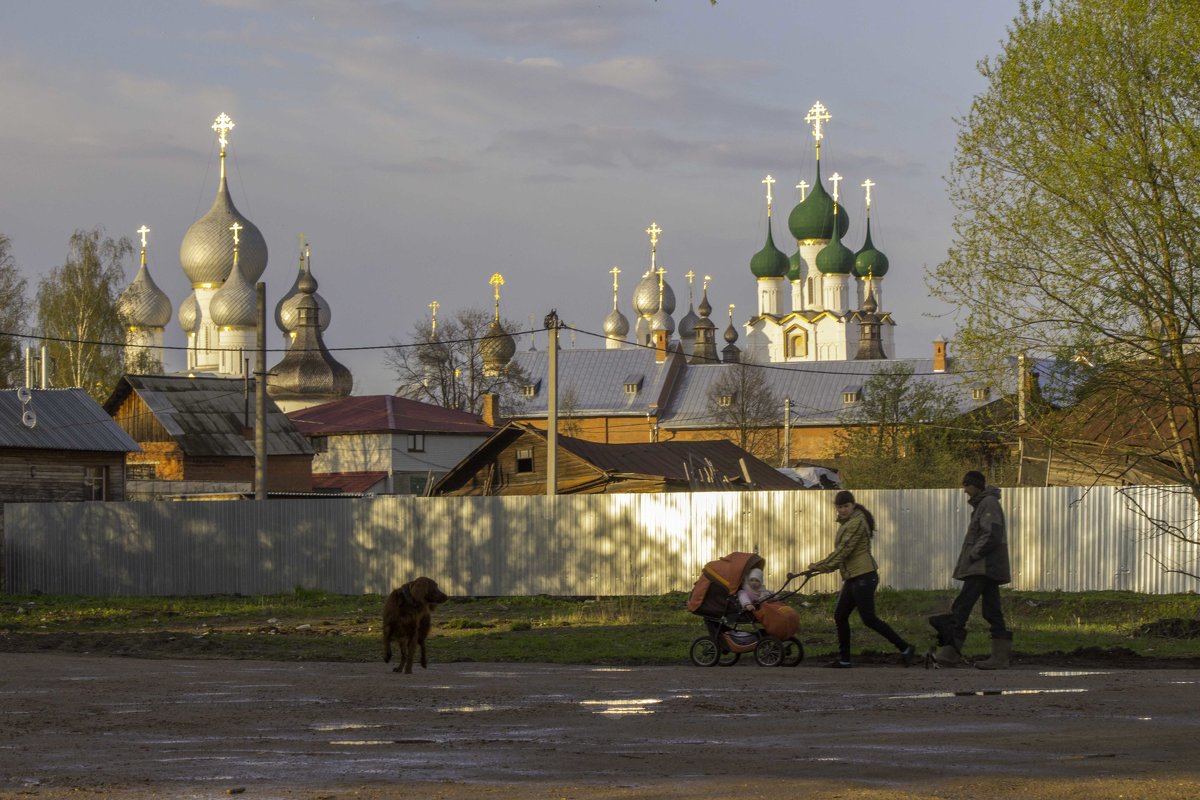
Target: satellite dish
(29,419)
(24,395)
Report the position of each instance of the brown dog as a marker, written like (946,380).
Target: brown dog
(406,618)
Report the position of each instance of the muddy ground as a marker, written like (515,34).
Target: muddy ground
(101,726)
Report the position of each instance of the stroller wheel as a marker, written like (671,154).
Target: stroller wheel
(769,652)
(705,652)
(793,652)
(729,658)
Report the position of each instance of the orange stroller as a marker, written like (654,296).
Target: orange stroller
(769,631)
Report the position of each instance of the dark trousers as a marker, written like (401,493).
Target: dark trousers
(859,592)
(973,588)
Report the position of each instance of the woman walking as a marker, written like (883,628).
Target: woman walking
(860,577)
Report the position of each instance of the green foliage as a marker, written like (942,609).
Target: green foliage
(1077,183)
(12,316)
(77,312)
(903,434)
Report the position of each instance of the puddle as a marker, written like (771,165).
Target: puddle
(982,693)
(622,707)
(1072,673)
(611,669)
(473,709)
(345,726)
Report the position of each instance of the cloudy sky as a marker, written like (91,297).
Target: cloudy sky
(423,146)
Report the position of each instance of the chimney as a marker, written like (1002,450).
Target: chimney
(660,345)
(491,410)
(939,355)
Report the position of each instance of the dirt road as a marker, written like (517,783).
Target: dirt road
(130,728)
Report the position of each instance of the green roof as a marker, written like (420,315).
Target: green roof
(813,218)
(770,262)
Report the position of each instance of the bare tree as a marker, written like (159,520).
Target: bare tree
(12,316)
(743,401)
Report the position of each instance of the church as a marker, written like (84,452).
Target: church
(223,255)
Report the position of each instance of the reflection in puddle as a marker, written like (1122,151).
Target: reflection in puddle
(622,707)
(345,726)
(983,693)
(1072,673)
(472,709)
(611,669)
(360,742)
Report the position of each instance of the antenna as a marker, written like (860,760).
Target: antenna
(28,418)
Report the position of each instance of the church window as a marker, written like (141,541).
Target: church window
(531,389)
(851,395)
(797,343)
(525,460)
(725,400)
(633,383)
(980,393)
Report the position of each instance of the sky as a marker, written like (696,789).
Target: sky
(421,147)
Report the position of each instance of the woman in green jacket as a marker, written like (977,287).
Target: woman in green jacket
(860,577)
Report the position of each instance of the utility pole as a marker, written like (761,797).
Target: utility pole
(260,394)
(787,431)
(552,325)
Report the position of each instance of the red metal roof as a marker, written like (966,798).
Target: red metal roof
(346,481)
(378,413)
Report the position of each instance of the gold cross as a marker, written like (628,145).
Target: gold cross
(435,305)
(235,227)
(223,126)
(803,187)
(143,231)
(654,231)
(707,278)
(835,179)
(731,313)
(817,115)
(615,272)
(496,281)
(300,239)
(768,181)
(867,184)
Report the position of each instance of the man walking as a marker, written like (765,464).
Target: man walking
(983,568)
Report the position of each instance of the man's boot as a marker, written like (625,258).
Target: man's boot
(948,650)
(947,656)
(1001,650)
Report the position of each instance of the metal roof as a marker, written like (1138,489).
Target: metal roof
(66,419)
(668,460)
(206,416)
(815,389)
(595,380)
(385,413)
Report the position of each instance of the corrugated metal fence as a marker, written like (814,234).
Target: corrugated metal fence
(1068,539)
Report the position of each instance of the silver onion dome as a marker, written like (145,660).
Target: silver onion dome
(143,304)
(206,253)
(616,326)
(189,314)
(661,321)
(286,310)
(235,304)
(497,348)
(645,296)
(687,328)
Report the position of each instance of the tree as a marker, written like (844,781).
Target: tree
(902,434)
(447,370)
(12,316)
(1077,183)
(743,401)
(77,313)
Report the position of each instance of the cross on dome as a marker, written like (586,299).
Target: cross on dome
(707,278)
(223,125)
(867,184)
(768,181)
(433,307)
(615,272)
(654,231)
(835,179)
(235,227)
(143,231)
(817,115)
(496,281)
(803,187)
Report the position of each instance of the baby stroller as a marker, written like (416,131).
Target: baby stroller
(769,631)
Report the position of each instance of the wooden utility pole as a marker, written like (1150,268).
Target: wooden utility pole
(552,325)
(260,394)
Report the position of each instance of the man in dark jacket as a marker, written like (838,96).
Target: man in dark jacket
(983,568)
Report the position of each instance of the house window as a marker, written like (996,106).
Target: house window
(416,443)
(851,395)
(525,460)
(980,393)
(725,400)
(530,389)
(141,472)
(633,383)
(320,444)
(95,483)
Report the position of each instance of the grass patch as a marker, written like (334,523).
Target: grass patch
(306,625)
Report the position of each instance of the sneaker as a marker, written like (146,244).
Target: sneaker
(838,665)
(908,655)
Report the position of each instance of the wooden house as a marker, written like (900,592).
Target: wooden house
(59,445)
(197,438)
(513,462)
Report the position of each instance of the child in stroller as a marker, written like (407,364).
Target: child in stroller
(767,627)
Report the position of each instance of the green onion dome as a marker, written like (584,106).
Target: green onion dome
(835,258)
(869,262)
(770,262)
(813,218)
(794,266)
